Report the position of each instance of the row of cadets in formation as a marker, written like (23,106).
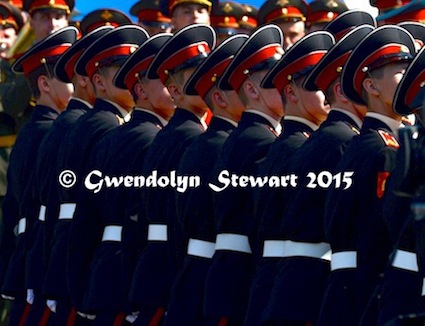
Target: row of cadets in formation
(92,237)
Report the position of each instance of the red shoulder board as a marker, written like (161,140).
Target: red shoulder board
(388,139)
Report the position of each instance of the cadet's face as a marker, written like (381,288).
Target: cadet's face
(271,97)
(188,14)
(120,96)
(292,32)
(159,97)
(7,38)
(315,105)
(61,93)
(46,22)
(193,101)
(387,85)
(235,104)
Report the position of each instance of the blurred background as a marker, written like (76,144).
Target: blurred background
(83,7)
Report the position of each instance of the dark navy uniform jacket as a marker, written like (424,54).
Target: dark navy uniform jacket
(55,284)
(400,290)
(157,263)
(195,215)
(354,222)
(303,221)
(120,153)
(269,206)
(19,203)
(73,155)
(46,193)
(228,280)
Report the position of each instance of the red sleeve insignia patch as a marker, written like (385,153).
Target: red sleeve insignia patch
(382,180)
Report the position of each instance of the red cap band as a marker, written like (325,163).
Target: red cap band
(178,58)
(153,16)
(285,75)
(121,50)
(286,12)
(38,59)
(240,73)
(331,72)
(132,76)
(380,55)
(208,79)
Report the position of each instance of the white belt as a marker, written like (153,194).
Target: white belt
(87,316)
(344,259)
(42,214)
(273,248)
(157,232)
(52,304)
(67,211)
(304,249)
(22,225)
(233,242)
(201,248)
(30,296)
(112,233)
(405,260)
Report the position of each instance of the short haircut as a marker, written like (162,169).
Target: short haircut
(376,74)
(43,70)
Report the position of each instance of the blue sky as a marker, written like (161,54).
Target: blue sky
(86,6)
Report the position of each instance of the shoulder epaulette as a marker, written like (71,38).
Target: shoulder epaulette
(388,139)
(120,119)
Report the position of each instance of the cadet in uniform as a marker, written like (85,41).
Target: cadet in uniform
(401,292)
(46,183)
(45,17)
(248,22)
(159,260)
(187,12)
(20,207)
(303,219)
(304,111)
(99,62)
(195,206)
(102,17)
(228,279)
(225,19)
(150,17)
(356,232)
(322,12)
(122,152)
(304,267)
(289,15)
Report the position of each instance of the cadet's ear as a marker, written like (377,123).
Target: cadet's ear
(218,99)
(174,91)
(289,93)
(337,89)
(43,84)
(370,87)
(98,82)
(251,89)
(140,91)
